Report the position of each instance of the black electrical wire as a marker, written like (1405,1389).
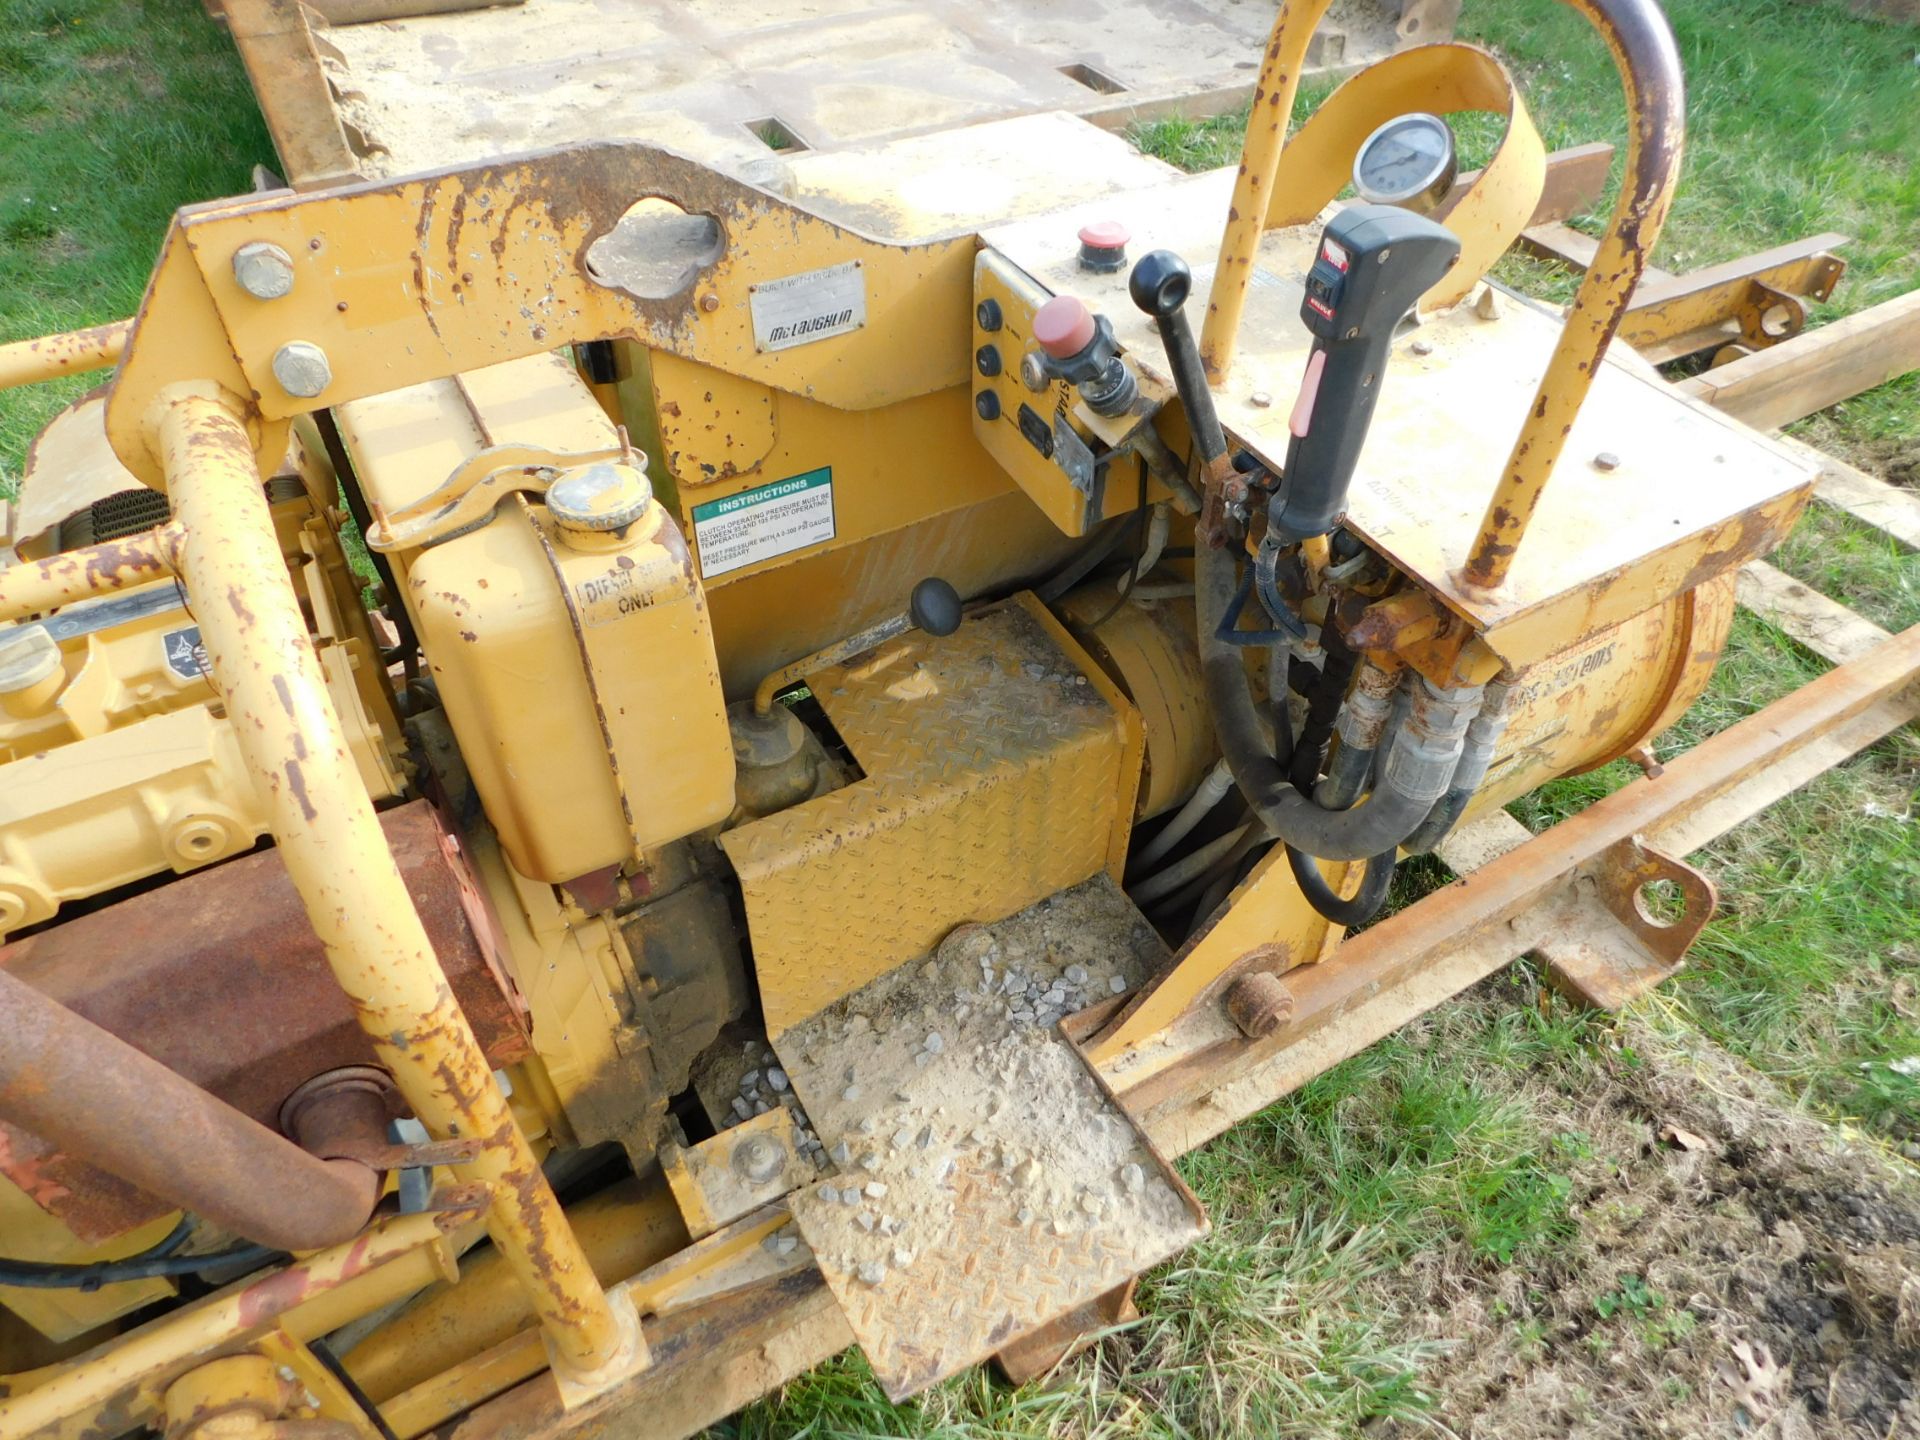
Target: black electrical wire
(324,1354)
(349,482)
(1141,529)
(157,1260)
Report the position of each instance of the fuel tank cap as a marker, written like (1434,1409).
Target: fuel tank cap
(607,495)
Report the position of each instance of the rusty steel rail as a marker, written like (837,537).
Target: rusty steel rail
(69,1082)
(264,666)
(41,585)
(74,352)
(118,1386)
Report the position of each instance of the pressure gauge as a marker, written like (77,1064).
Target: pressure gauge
(1408,161)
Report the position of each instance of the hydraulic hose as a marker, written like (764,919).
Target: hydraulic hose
(1209,793)
(1440,821)
(1476,757)
(1363,721)
(1188,867)
(1388,816)
(1348,911)
(1323,708)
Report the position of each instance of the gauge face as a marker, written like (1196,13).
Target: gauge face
(1407,161)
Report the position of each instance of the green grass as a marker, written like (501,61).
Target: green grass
(115,115)
(1279,1322)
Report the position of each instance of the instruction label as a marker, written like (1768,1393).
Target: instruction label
(766,521)
(813,305)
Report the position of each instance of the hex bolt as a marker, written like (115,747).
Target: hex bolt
(1259,1004)
(302,369)
(1422,347)
(1606,460)
(759,1159)
(264,270)
(1260,399)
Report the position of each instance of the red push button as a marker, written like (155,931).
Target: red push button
(1063,327)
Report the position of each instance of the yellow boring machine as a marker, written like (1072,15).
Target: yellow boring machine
(884,697)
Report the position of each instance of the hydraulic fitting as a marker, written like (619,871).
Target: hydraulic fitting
(1426,749)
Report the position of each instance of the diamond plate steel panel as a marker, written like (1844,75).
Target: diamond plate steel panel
(986,1182)
(999,768)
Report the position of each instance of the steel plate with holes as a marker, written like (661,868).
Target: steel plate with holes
(737,84)
(986,1182)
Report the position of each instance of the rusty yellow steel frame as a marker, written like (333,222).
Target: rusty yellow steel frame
(41,585)
(73,353)
(399,282)
(1487,212)
(1644,52)
(122,1383)
(323,822)
(1273,93)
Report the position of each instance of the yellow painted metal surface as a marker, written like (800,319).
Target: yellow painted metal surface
(402,282)
(353,893)
(996,772)
(1246,218)
(62,1314)
(580,681)
(73,353)
(398,1256)
(121,768)
(1456,392)
(734,1173)
(1149,649)
(625,1228)
(1486,214)
(1076,497)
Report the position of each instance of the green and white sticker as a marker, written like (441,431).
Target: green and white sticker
(763,522)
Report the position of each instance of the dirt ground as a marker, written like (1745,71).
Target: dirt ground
(1741,1268)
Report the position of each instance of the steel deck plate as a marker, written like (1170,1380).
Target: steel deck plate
(986,1181)
(742,85)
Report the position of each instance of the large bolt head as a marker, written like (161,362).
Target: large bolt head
(264,270)
(302,369)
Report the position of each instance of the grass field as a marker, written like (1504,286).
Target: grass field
(1474,1227)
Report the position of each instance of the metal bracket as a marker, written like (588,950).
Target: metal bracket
(466,499)
(1616,945)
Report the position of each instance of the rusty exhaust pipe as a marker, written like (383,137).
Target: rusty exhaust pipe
(68,1081)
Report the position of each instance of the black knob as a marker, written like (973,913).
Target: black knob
(934,606)
(1160,283)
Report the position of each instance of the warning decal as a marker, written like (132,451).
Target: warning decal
(766,521)
(186,656)
(814,305)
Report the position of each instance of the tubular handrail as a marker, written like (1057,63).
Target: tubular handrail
(1644,52)
(263,663)
(1643,49)
(74,352)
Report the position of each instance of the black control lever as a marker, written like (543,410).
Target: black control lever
(1160,284)
(1374,262)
